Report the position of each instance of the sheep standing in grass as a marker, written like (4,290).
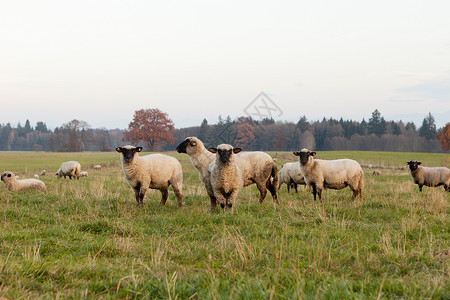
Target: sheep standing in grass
(69,168)
(224,177)
(43,172)
(84,174)
(155,171)
(256,167)
(13,184)
(376,173)
(332,174)
(291,175)
(428,176)
(97,167)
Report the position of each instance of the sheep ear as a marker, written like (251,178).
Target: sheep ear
(237,150)
(296,153)
(313,153)
(139,149)
(212,150)
(119,149)
(419,163)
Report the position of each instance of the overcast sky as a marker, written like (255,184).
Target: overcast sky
(99,61)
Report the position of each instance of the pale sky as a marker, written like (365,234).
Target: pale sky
(99,61)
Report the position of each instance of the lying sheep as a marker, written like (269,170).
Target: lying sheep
(97,167)
(256,167)
(13,184)
(69,168)
(224,177)
(332,174)
(43,173)
(428,176)
(36,176)
(376,173)
(84,174)
(291,175)
(155,171)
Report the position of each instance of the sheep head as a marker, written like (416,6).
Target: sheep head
(128,152)
(304,155)
(413,164)
(7,176)
(190,145)
(225,152)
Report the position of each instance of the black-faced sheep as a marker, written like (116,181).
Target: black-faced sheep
(256,167)
(332,174)
(291,175)
(376,173)
(155,171)
(12,184)
(429,176)
(224,176)
(69,168)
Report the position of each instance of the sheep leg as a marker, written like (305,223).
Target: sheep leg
(420,187)
(272,191)
(179,196)
(288,187)
(164,195)
(314,191)
(263,192)
(213,203)
(139,193)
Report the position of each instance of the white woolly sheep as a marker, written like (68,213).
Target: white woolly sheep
(256,167)
(429,176)
(291,175)
(155,171)
(13,184)
(36,176)
(332,174)
(97,167)
(69,168)
(43,173)
(84,174)
(224,177)
(376,173)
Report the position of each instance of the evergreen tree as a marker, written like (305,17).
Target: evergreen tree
(204,128)
(428,128)
(303,125)
(377,124)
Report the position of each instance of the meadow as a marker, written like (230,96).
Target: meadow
(87,239)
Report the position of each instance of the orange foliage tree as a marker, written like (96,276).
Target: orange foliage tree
(151,126)
(444,137)
(245,135)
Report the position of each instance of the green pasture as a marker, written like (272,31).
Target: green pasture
(87,239)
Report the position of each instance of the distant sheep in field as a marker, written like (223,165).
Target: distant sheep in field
(332,174)
(428,176)
(256,167)
(155,171)
(376,173)
(97,167)
(291,175)
(224,176)
(43,173)
(69,168)
(13,184)
(36,176)
(84,174)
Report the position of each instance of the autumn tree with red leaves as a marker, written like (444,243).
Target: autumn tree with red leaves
(151,126)
(444,137)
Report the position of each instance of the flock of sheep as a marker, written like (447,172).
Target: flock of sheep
(225,170)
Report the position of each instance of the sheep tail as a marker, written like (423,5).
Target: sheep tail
(275,180)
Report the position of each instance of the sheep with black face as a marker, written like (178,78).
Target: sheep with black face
(224,177)
(154,171)
(14,184)
(428,176)
(333,174)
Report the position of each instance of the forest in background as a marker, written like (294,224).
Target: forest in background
(376,134)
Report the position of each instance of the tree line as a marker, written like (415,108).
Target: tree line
(155,130)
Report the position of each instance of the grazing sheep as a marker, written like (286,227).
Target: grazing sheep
(224,177)
(97,167)
(36,176)
(376,173)
(155,171)
(43,172)
(13,184)
(84,174)
(332,174)
(256,167)
(291,175)
(69,168)
(429,176)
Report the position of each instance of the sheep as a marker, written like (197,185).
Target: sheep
(36,176)
(224,177)
(155,171)
(84,174)
(376,173)
(69,168)
(333,174)
(12,184)
(429,176)
(256,167)
(97,167)
(291,175)
(43,173)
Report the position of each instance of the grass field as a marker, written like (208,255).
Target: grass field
(87,238)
